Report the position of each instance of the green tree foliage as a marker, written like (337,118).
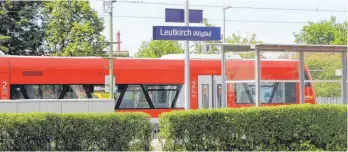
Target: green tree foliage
(285,55)
(328,33)
(73,29)
(197,47)
(323,32)
(323,67)
(3,39)
(20,29)
(235,38)
(328,62)
(156,49)
(238,39)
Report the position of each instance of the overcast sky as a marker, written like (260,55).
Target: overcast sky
(246,20)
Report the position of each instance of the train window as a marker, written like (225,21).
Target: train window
(274,92)
(242,94)
(36,91)
(99,92)
(127,96)
(134,97)
(290,89)
(16,92)
(307,84)
(52,92)
(218,95)
(161,95)
(147,96)
(205,95)
(75,92)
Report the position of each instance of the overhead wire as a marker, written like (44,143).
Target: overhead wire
(236,7)
(227,20)
(216,6)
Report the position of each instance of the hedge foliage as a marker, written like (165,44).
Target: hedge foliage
(75,132)
(295,127)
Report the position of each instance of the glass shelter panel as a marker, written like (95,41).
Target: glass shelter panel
(271,92)
(325,69)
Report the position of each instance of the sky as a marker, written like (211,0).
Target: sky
(135,20)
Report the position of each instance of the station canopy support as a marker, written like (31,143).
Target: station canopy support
(301,49)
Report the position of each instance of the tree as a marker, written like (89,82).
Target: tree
(238,39)
(197,44)
(235,38)
(73,29)
(328,63)
(20,28)
(323,32)
(328,33)
(2,40)
(156,49)
(285,55)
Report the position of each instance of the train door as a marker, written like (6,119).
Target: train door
(209,91)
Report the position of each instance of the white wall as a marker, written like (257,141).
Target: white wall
(58,105)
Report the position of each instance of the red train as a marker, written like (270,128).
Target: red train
(150,85)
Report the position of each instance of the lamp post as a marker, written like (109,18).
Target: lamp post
(108,9)
(187,61)
(224,9)
(223,70)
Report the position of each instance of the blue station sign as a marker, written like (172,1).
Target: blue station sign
(190,33)
(178,15)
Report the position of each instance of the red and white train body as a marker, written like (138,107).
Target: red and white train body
(150,85)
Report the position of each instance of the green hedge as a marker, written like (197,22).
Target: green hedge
(295,127)
(75,132)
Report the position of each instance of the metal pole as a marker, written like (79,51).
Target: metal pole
(302,77)
(344,78)
(111,63)
(224,27)
(187,62)
(257,77)
(223,73)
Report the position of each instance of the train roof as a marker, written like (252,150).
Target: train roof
(164,57)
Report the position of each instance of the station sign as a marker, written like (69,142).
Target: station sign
(178,15)
(190,33)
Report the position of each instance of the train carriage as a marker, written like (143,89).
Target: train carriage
(151,85)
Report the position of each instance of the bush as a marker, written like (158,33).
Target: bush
(75,132)
(295,127)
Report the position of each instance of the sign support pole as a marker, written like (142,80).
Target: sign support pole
(187,61)
(111,62)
